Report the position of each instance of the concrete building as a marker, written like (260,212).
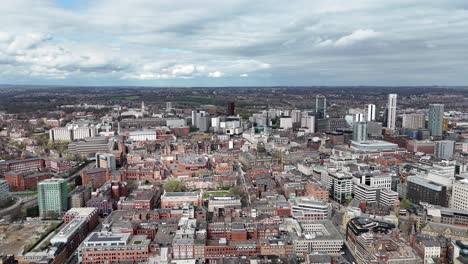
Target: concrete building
(79,196)
(414,121)
(103,247)
(370,112)
(179,199)
(106,160)
(339,185)
(216,203)
(315,237)
(391,111)
(142,135)
(72,132)
(423,190)
(286,122)
(52,197)
(4,191)
(309,209)
(444,149)
(460,195)
(436,119)
(360,131)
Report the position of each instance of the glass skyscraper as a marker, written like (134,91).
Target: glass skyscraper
(52,198)
(436,119)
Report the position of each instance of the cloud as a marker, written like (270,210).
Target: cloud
(355,37)
(216,74)
(298,43)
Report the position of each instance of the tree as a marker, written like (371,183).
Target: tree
(236,190)
(173,186)
(78,181)
(405,204)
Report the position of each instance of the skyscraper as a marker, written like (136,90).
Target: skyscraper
(444,149)
(231,109)
(321,106)
(360,131)
(52,197)
(436,119)
(370,112)
(413,121)
(391,113)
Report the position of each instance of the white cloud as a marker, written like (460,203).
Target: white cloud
(298,42)
(357,36)
(216,74)
(244,75)
(351,39)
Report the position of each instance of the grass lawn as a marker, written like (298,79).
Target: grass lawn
(208,194)
(25,194)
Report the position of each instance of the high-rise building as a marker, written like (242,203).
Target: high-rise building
(360,131)
(460,195)
(444,149)
(168,106)
(231,108)
(413,121)
(321,106)
(436,119)
(4,191)
(371,112)
(391,111)
(52,197)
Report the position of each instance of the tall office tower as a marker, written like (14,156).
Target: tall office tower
(142,106)
(358,118)
(413,121)
(52,197)
(360,131)
(370,112)
(321,106)
(231,109)
(391,113)
(168,106)
(444,149)
(436,119)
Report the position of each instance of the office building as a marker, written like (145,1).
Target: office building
(374,129)
(315,237)
(460,195)
(179,199)
(360,131)
(370,112)
(423,190)
(79,196)
(309,209)
(361,225)
(444,149)
(414,121)
(286,122)
(460,252)
(168,106)
(106,161)
(436,119)
(4,191)
(23,165)
(52,197)
(216,203)
(231,108)
(339,185)
(72,132)
(113,247)
(391,111)
(321,106)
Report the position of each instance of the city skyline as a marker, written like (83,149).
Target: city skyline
(233,43)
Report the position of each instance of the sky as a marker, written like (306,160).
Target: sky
(234,43)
